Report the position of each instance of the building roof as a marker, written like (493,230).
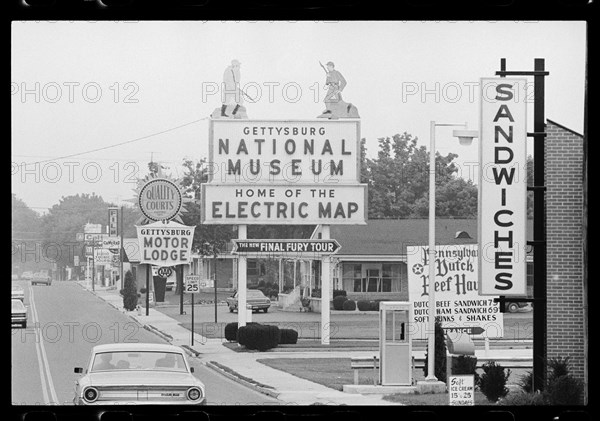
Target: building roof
(392,236)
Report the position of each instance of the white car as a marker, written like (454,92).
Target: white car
(138,374)
(17,293)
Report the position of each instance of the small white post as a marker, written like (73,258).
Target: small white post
(242,280)
(325,294)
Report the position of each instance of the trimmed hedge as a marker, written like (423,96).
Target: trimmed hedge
(259,337)
(349,305)
(338,302)
(288,336)
(231,330)
(364,305)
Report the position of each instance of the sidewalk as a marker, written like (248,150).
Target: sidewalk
(281,385)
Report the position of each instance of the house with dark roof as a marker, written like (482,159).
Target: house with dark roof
(371,263)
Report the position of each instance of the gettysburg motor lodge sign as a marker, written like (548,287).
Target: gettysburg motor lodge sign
(284,172)
(163,241)
(502,212)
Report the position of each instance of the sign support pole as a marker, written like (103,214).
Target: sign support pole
(325,283)
(148,270)
(192,344)
(93,267)
(242,279)
(215,285)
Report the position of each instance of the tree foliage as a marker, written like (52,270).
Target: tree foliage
(25,225)
(398,181)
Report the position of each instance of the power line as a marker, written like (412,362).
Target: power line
(119,144)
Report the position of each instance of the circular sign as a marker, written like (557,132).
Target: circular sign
(164,272)
(160,199)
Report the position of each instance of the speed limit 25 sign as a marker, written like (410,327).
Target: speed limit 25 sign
(192,283)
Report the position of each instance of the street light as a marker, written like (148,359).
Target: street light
(465,137)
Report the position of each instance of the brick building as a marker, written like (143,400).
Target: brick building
(566,324)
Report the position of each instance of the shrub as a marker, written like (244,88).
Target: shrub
(143,290)
(558,367)
(564,390)
(465,364)
(522,399)
(338,302)
(231,330)
(259,337)
(492,382)
(363,305)
(349,305)
(562,387)
(316,293)
(439,354)
(526,382)
(288,336)
(374,305)
(130,297)
(339,292)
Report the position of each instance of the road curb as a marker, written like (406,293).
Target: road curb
(157,332)
(266,391)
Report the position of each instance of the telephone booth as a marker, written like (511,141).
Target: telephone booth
(395,349)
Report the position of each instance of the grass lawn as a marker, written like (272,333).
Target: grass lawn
(336,372)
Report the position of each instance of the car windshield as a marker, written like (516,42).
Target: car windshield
(145,360)
(255,293)
(17,305)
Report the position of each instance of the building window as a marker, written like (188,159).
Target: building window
(387,278)
(255,268)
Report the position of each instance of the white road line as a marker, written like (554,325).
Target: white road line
(42,351)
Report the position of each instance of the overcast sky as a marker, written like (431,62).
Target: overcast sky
(78,87)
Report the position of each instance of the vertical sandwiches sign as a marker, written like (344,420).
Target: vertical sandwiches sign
(502,215)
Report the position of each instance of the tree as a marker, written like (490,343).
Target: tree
(26,237)
(398,182)
(129,292)
(63,221)
(439,353)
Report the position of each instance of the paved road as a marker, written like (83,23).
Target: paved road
(65,322)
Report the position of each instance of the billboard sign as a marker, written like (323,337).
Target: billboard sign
(284,151)
(165,243)
(502,215)
(280,204)
(113,222)
(459,306)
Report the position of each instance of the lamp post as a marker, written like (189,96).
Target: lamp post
(465,137)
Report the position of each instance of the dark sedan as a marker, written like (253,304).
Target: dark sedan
(254,298)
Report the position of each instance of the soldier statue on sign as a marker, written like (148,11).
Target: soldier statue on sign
(232,94)
(335,107)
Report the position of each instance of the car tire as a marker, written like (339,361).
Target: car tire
(513,307)
(24,325)
(231,309)
(266,309)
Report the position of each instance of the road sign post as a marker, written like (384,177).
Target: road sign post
(191,285)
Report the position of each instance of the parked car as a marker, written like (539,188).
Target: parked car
(170,284)
(516,306)
(138,374)
(41,278)
(18,313)
(254,297)
(27,275)
(18,293)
